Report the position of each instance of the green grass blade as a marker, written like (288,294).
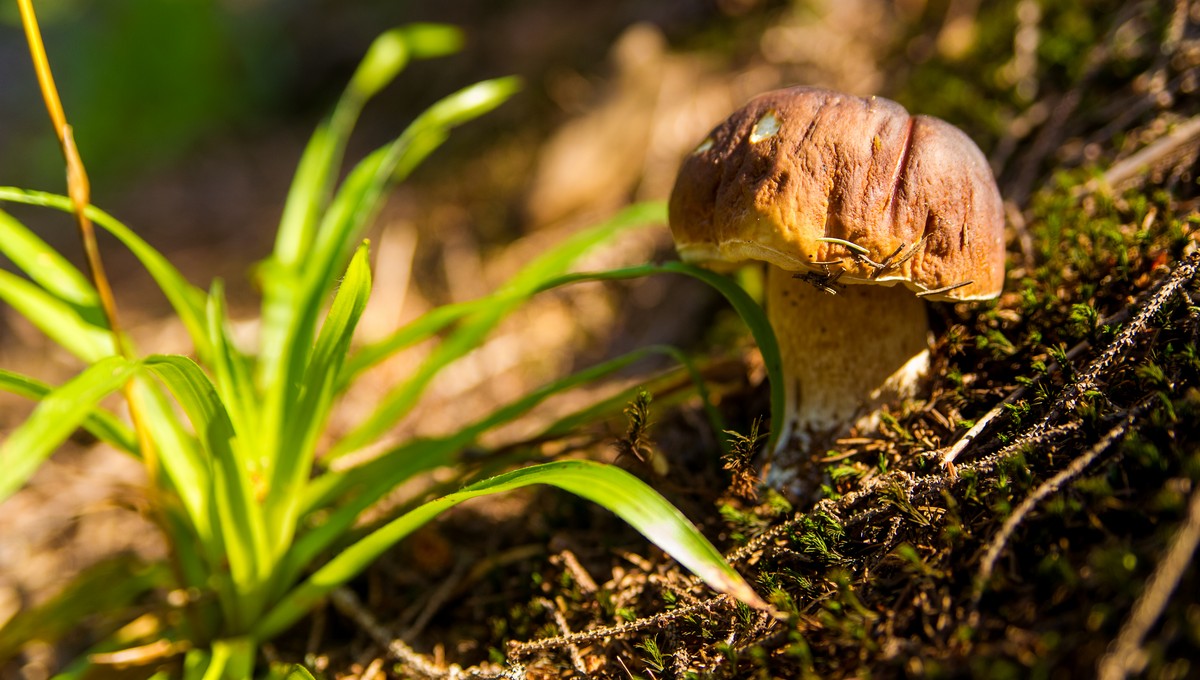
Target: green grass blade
(292,303)
(546,266)
(622,493)
(361,194)
(306,422)
(478,320)
(298,672)
(313,182)
(332,485)
(428,325)
(52,421)
(232,376)
(615,404)
(379,476)
(751,312)
(372,480)
(520,407)
(104,590)
(756,320)
(100,423)
(412,459)
(60,321)
(178,453)
(237,513)
(232,659)
(46,266)
(185,299)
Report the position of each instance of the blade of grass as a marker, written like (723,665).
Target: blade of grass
(52,421)
(237,513)
(107,588)
(313,184)
(547,265)
(376,479)
(751,312)
(755,318)
(58,320)
(370,481)
(478,320)
(100,423)
(185,467)
(618,491)
(290,316)
(48,268)
(306,423)
(231,375)
(615,404)
(187,300)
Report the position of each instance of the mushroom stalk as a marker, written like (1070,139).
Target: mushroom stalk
(843,355)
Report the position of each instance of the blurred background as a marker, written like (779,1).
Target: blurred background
(191,115)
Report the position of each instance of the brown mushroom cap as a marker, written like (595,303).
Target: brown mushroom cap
(804,163)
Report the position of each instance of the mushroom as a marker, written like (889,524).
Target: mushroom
(843,198)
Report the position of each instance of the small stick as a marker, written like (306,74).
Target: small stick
(348,603)
(851,245)
(944,289)
(826,283)
(888,264)
(438,598)
(517,649)
(564,630)
(988,564)
(1176,143)
(1125,655)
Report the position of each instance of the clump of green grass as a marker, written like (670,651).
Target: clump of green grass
(260,526)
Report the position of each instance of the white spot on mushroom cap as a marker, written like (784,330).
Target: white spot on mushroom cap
(767,126)
(704,146)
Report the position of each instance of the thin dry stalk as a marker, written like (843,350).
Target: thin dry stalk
(440,595)
(561,622)
(522,650)
(1175,146)
(1126,656)
(988,564)
(1150,304)
(349,605)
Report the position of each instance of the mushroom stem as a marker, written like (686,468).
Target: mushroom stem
(843,356)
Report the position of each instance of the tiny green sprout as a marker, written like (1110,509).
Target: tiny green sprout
(670,599)
(730,653)
(739,460)
(906,552)
(654,657)
(783,602)
(1153,374)
(1084,320)
(636,442)
(819,536)
(776,504)
(843,471)
(889,422)
(955,376)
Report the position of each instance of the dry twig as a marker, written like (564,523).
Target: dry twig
(1126,656)
(988,564)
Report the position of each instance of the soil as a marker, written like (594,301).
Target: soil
(1059,541)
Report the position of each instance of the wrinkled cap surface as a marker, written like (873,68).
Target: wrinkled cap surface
(800,164)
